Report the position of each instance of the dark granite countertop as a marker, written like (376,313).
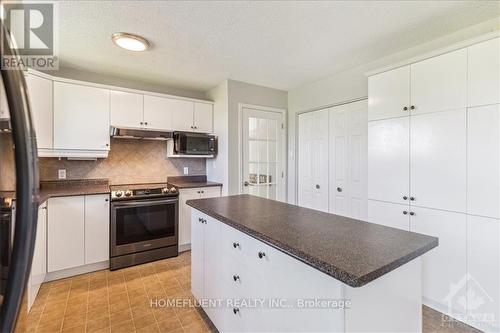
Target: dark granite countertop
(191,181)
(64,188)
(352,251)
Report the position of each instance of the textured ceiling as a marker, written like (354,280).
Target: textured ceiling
(278,44)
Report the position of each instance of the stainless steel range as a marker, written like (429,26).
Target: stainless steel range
(144,224)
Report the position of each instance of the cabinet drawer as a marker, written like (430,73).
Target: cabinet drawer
(235,243)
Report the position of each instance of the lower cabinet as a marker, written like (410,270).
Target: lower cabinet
(39,263)
(78,231)
(389,214)
(186,194)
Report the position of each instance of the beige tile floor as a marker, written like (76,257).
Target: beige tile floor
(119,301)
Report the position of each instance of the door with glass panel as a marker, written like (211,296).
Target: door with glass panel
(262,154)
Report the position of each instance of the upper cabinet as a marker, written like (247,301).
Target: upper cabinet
(81,117)
(203,117)
(483,76)
(389,94)
(439,83)
(40,98)
(182,115)
(126,109)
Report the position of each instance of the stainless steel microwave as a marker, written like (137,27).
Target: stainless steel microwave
(188,143)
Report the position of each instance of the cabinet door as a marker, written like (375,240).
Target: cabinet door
(66,233)
(483,73)
(157,113)
(484,271)
(96,228)
(182,114)
(439,83)
(203,117)
(389,94)
(483,161)
(210,192)
(438,160)
(40,97)
(81,117)
(197,254)
(389,160)
(211,276)
(185,214)
(126,109)
(445,265)
(389,214)
(39,263)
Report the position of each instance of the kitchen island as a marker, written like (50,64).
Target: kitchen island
(263,265)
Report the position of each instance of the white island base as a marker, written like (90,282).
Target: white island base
(242,291)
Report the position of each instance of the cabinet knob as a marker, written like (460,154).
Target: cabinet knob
(236,278)
(405,212)
(261,254)
(204,221)
(202,191)
(412,198)
(339,189)
(412,107)
(405,108)
(107,144)
(146,123)
(200,219)
(235,245)
(236,310)
(412,213)
(106,199)
(141,123)
(405,197)
(317,187)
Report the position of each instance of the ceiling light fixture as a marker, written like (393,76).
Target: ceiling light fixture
(130,41)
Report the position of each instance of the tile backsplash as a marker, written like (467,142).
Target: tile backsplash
(129,161)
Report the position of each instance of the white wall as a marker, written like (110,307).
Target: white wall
(352,84)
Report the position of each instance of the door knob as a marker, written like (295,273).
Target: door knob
(246,183)
(339,189)
(317,186)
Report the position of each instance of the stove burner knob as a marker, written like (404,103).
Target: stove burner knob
(118,193)
(173,190)
(164,190)
(128,193)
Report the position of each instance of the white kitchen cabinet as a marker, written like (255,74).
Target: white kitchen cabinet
(96,228)
(66,233)
(182,115)
(483,161)
(197,256)
(389,94)
(483,280)
(40,99)
(439,83)
(127,109)
(203,117)
(313,160)
(39,263)
(389,160)
(484,73)
(445,265)
(158,113)
(438,160)
(389,214)
(186,194)
(81,117)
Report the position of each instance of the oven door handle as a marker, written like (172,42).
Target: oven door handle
(142,203)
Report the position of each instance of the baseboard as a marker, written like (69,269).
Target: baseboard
(76,271)
(184,247)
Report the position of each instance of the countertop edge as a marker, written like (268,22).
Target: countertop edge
(321,265)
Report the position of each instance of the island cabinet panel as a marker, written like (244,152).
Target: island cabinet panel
(389,94)
(483,69)
(445,265)
(127,109)
(389,214)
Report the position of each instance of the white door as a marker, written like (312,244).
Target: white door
(186,194)
(203,117)
(483,73)
(40,97)
(444,265)
(389,160)
(313,160)
(438,160)
(348,159)
(81,117)
(483,161)
(389,214)
(439,83)
(197,254)
(96,228)
(182,114)
(66,233)
(157,113)
(127,109)
(262,153)
(389,94)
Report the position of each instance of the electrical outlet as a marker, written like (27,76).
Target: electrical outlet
(61,173)
(186,170)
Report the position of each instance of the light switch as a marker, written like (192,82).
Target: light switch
(186,170)
(61,173)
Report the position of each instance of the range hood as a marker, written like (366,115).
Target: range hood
(140,133)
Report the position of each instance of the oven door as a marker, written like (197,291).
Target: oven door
(143,225)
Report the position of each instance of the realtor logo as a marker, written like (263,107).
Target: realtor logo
(32,28)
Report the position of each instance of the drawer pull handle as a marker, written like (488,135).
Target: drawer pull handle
(235,245)
(261,254)
(236,278)
(236,310)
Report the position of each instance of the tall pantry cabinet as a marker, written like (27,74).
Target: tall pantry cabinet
(433,168)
